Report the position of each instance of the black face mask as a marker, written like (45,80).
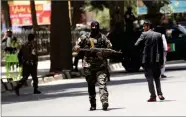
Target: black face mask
(94,32)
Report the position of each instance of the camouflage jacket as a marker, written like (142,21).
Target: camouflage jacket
(93,61)
(28,53)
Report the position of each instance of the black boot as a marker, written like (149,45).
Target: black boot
(105,106)
(16,90)
(36,91)
(93,105)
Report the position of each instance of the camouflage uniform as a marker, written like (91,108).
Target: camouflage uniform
(98,69)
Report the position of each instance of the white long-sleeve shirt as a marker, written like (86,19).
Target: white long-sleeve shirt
(165,46)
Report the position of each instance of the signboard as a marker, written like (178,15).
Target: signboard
(20,14)
(177,6)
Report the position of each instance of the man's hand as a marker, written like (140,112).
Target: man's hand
(77,48)
(165,53)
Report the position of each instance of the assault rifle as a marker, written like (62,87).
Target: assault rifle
(101,52)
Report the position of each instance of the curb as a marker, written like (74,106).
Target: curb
(41,80)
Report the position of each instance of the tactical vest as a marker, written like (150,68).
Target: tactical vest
(29,53)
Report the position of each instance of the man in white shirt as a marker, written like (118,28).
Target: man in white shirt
(165,47)
(161,30)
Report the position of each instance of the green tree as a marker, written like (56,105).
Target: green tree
(153,9)
(98,6)
(103,18)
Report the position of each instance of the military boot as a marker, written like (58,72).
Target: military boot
(105,106)
(36,91)
(93,104)
(16,89)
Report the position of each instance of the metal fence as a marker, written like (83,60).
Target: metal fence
(43,39)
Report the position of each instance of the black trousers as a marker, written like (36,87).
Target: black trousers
(79,56)
(29,69)
(152,73)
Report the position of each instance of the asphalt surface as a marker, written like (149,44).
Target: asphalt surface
(128,94)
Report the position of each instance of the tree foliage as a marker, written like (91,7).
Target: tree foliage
(153,10)
(99,4)
(155,5)
(103,18)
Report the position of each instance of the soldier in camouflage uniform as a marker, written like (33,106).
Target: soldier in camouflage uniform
(98,69)
(28,59)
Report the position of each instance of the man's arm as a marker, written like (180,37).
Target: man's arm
(161,50)
(107,42)
(8,44)
(20,55)
(164,43)
(81,43)
(140,40)
(4,40)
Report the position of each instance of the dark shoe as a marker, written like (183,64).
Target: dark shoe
(108,79)
(163,76)
(93,104)
(37,92)
(17,91)
(93,107)
(161,97)
(152,99)
(105,106)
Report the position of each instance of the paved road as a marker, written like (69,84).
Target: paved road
(44,67)
(127,96)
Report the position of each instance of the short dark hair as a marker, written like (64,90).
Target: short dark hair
(9,31)
(148,23)
(31,37)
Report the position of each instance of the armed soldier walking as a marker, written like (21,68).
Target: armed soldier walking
(96,69)
(28,59)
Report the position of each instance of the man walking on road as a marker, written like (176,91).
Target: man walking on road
(152,59)
(28,59)
(165,47)
(96,69)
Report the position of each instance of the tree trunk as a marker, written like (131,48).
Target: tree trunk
(60,38)
(111,11)
(34,16)
(6,14)
(112,6)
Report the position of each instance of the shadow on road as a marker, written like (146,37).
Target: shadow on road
(44,96)
(57,91)
(167,100)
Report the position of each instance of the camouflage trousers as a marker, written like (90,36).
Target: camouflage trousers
(100,77)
